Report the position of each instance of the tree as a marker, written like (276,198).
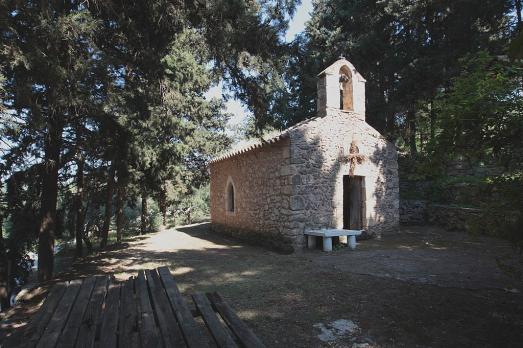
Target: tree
(45,69)
(481,115)
(407,51)
(4,272)
(112,92)
(480,118)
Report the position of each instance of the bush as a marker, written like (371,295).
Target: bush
(133,214)
(194,207)
(503,211)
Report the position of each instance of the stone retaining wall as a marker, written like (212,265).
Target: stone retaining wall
(452,218)
(413,212)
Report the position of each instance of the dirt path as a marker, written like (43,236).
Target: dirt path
(422,287)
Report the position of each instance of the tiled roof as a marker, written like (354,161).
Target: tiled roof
(270,138)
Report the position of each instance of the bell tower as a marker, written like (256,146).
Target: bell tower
(341,88)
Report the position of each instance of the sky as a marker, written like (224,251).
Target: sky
(234,106)
(297,24)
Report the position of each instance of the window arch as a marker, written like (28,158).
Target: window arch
(230,197)
(346,93)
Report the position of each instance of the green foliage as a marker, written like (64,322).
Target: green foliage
(480,119)
(481,115)
(21,208)
(194,207)
(133,215)
(107,99)
(408,51)
(515,49)
(2,89)
(502,214)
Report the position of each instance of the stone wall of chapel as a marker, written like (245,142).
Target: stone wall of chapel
(318,166)
(297,184)
(262,185)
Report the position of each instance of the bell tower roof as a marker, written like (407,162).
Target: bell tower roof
(335,67)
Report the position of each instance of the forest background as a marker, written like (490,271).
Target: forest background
(107,128)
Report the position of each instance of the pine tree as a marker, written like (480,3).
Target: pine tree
(46,70)
(407,51)
(106,98)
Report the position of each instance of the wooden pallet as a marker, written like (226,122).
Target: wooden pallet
(144,311)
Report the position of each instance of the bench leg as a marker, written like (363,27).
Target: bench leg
(352,242)
(311,242)
(327,244)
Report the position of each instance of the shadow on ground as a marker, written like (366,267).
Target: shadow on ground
(421,287)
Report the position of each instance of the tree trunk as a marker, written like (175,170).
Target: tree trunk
(432,123)
(518,12)
(86,229)
(162,202)
(143,227)
(49,199)
(80,206)
(120,202)
(411,124)
(88,244)
(4,281)
(108,206)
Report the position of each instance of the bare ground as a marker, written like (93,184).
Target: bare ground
(422,287)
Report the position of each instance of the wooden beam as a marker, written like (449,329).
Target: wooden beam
(33,331)
(92,319)
(218,331)
(190,329)
(109,327)
(171,333)
(244,334)
(72,325)
(59,318)
(149,335)
(128,323)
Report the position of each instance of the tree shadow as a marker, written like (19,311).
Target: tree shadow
(276,294)
(203,231)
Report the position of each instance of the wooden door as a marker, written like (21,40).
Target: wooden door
(353,200)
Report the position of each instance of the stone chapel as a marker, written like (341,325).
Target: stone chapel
(330,171)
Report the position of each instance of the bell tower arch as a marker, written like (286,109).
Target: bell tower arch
(341,87)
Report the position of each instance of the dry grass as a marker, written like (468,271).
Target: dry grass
(383,287)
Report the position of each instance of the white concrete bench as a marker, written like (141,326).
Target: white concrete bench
(327,235)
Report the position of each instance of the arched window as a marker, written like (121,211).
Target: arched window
(229,199)
(346,98)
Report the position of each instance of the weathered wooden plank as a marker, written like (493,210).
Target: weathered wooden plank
(128,329)
(60,316)
(30,335)
(72,325)
(190,329)
(110,314)
(149,335)
(244,334)
(92,317)
(171,333)
(218,332)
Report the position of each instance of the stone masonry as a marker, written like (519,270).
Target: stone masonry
(294,181)
(262,194)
